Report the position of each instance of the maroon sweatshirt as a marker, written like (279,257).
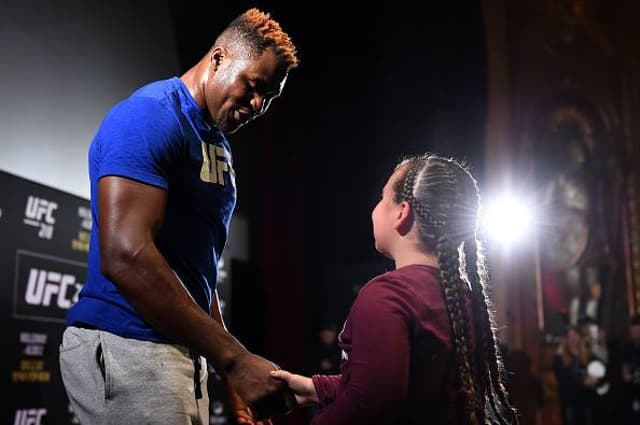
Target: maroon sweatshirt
(398,363)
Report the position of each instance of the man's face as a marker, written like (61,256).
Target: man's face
(241,89)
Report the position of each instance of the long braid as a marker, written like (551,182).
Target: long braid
(448,259)
(453,286)
(444,198)
(455,226)
(488,352)
(482,324)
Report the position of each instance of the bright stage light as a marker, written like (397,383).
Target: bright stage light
(507,219)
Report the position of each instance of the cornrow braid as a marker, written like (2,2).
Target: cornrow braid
(455,211)
(482,331)
(409,182)
(436,227)
(448,259)
(444,198)
(424,217)
(487,355)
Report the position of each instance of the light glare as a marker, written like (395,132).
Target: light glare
(507,219)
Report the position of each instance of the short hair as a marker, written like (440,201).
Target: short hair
(256,31)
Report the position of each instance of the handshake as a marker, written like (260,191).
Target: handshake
(256,389)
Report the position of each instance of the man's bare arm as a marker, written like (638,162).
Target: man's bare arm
(130,216)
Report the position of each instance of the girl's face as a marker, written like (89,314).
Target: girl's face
(384,218)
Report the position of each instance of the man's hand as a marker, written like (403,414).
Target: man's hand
(302,386)
(240,410)
(250,373)
(265,396)
(245,417)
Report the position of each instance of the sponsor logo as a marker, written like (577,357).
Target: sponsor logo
(30,369)
(29,416)
(33,343)
(46,286)
(39,213)
(81,242)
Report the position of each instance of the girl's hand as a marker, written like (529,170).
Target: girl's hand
(302,386)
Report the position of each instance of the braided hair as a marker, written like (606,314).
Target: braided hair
(445,199)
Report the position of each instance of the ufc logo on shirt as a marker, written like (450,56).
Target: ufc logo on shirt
(29,416)
(215,162)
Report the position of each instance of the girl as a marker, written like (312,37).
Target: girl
(418,344)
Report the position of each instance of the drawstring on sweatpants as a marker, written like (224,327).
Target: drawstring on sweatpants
(197,366)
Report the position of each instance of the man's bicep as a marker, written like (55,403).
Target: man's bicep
(129,212)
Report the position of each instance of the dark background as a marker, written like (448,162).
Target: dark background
(375,82)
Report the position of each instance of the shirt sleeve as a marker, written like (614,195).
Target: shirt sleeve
(326,387)
(373,386)
(138,140)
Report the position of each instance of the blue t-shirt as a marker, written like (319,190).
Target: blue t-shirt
(160,136)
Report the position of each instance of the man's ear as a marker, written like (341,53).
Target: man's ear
(404,218)
(216,56)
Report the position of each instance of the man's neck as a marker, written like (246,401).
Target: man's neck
(194,80)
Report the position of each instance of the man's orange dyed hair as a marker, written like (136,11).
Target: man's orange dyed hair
(257,31)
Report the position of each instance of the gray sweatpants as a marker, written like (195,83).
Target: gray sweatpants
(120,381)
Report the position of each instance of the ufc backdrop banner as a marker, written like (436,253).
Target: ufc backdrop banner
(44,245)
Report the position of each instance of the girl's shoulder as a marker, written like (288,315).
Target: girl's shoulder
(407,281)
(408,275)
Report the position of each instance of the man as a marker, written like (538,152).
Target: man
(162,196)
